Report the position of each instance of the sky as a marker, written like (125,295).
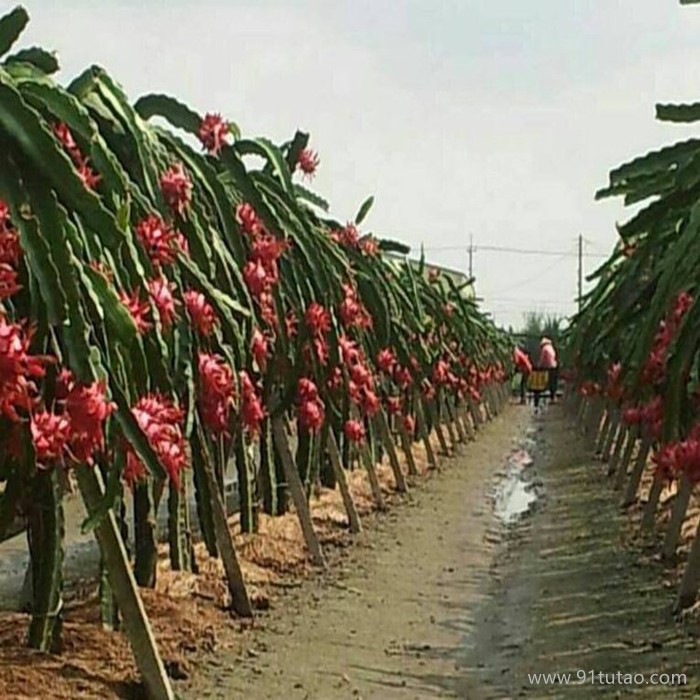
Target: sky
(486,120)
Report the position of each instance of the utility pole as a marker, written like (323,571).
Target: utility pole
(580,270)
(471,256)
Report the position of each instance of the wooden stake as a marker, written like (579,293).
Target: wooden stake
(406,442)
(614,426)
(617,451)
(224,542)
(466,421)
(680,507)
(630,495)
(371,468)
(688,590)
(382,425)
(455,418)
(301,505)
(438,429)
(425,434)
(450,430)
(602,436)
(621,473)
(649,517)
(136,624)
(475,413)
(334,454)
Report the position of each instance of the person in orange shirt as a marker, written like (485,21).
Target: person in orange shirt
(548,361)
(524,366)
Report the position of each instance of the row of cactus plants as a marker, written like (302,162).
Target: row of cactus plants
(169,288)
(635,343)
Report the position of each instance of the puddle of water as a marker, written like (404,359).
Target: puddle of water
(514,494)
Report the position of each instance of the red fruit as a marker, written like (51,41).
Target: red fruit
(259,348)
(369,246)
(308,162)
(64,135)
(335,379)
(8,281)
(138,310)
(306,390)
(361,375)
(255,277)
(161,421)
(18,370)
(394,405)
(10,250)
(370,402)
(403,377)
(318,320)
(216,392)
(200,311)
(291,324)
(176,188)
(88,409)
(268,250)
(4,214)
(349,352)
(310,408)
(213,132)
(354,430)
(161,291)
(50,433)
(252,410)
(386,360)
(160,240)
(89,177)
(348,236)
(248,219)
(311,415)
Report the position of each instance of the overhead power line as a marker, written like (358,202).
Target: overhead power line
(519,251)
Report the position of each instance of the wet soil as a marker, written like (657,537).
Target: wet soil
(497,567)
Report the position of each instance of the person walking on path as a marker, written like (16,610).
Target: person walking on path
(524,366)
(548,361)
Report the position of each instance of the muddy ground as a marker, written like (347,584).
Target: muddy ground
(453,594)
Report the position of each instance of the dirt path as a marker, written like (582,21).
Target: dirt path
(441,598)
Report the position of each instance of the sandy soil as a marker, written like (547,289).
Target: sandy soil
(440,599)
(395,609)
